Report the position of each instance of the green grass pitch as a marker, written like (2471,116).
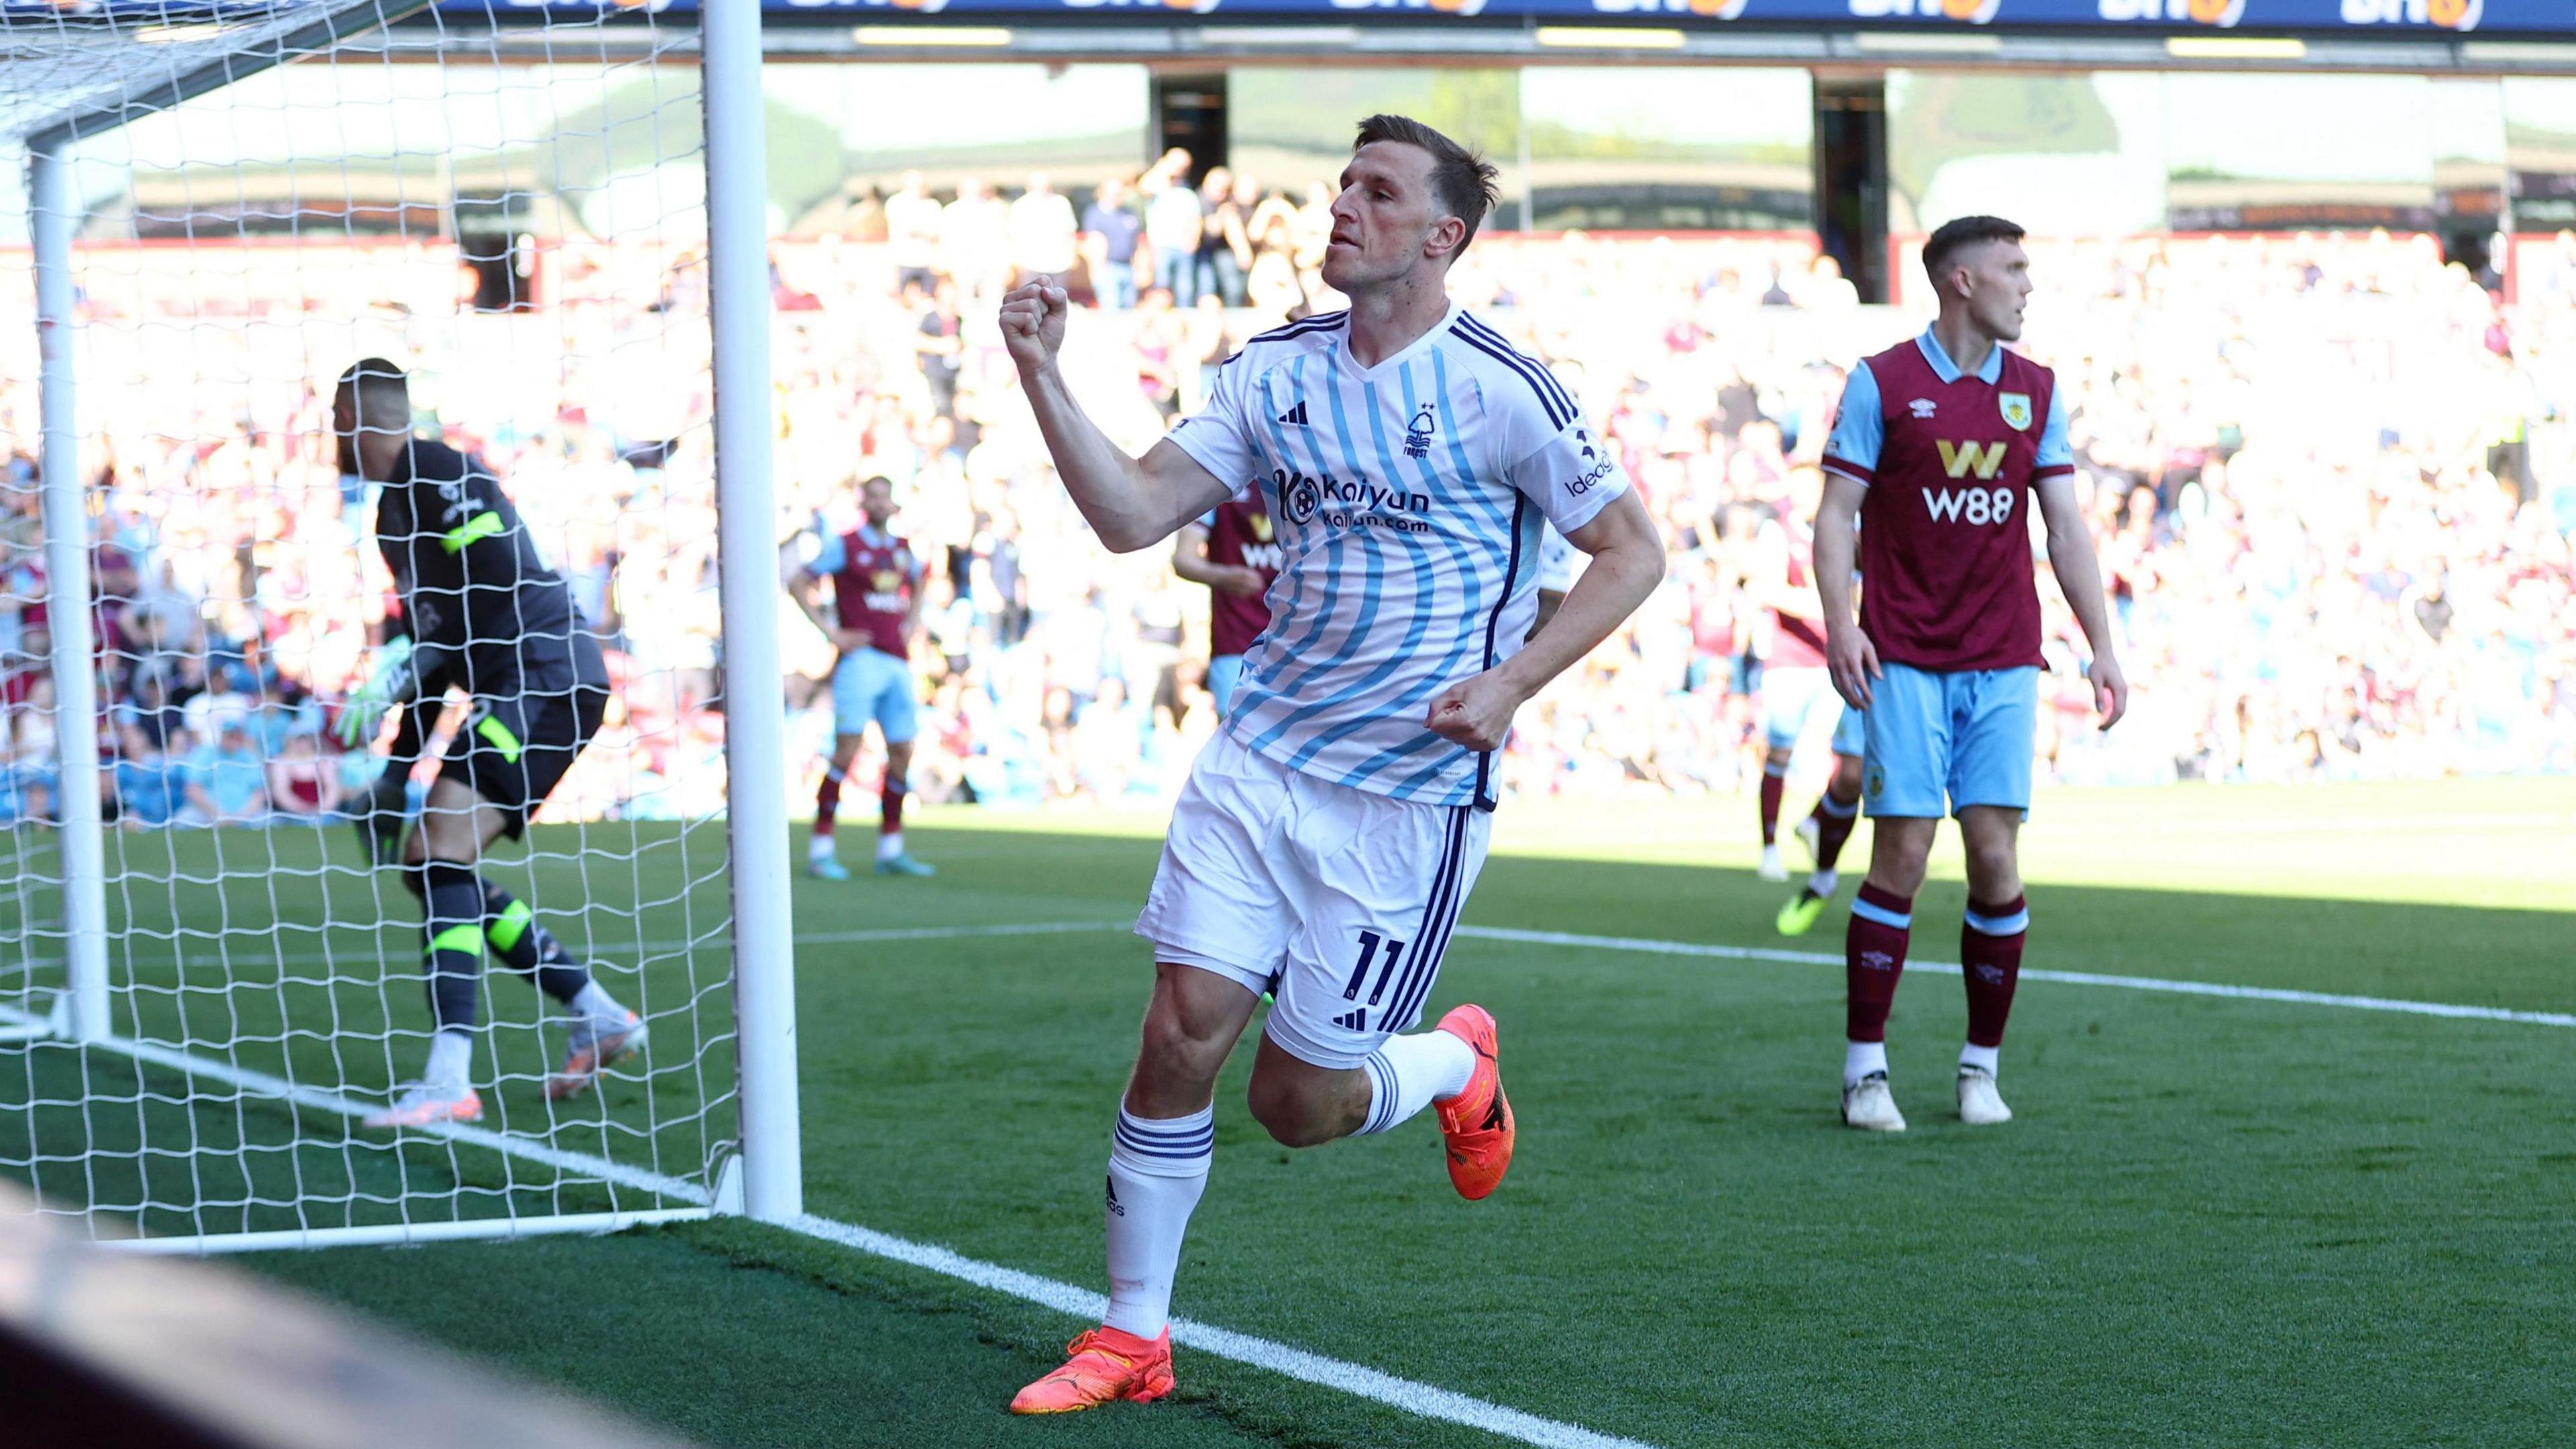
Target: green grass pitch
(2215,1221)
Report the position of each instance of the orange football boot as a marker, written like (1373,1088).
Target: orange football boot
(586,1059)
(1476,1125)
(1106,1365)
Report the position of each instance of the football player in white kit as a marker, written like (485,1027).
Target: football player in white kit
(1332,829)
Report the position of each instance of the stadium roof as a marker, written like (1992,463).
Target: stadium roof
(72,67)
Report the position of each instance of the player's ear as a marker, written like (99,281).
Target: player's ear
(1447,234)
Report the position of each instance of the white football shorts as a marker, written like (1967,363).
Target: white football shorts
(1339,901)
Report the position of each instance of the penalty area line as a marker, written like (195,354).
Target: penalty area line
(2069,978)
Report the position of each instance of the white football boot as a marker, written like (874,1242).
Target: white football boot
(1870,1106)
(429,1104)
(1773,868)
(1980,1105)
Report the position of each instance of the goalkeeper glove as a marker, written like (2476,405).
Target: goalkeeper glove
(381,813)
(392,684)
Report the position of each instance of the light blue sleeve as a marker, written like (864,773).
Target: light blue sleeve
(831,559)
(1858,429)
(2054,450)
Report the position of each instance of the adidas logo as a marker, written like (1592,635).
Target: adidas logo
(1295,415)
(1351,1020)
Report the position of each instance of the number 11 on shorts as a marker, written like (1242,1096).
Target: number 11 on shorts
(1388,950)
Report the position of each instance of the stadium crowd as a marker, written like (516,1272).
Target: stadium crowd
(2332,496)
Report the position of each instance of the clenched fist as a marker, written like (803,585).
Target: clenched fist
(1033,324)
(1475,712)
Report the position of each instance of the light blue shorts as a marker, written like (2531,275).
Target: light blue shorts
(1965,734)
(870,685)
(1793,700)
(1225,673)
(1851,734)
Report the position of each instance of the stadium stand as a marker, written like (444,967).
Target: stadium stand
(2334,443)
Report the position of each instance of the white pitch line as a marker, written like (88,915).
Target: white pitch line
(1652,947)
(1425,1400)
(2070,978)
(1350,1378)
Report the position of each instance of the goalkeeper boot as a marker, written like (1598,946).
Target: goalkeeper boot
(1476,1126)
(1103,1366)
(596,1046)
(1980,1105)
(428,1104)
(1798,916)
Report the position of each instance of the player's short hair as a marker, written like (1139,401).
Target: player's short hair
(1466,184)
(873,480)
(1962,232)
(378,387)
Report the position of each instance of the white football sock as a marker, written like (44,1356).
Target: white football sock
(818,847)
(889,844)
(1823,883)
(451,1060)
(1409,1073)
(1156,1172)
(595,1004)
(1973,1055)
(1860,1058)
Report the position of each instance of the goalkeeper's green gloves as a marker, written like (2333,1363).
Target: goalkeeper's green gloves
(393,683)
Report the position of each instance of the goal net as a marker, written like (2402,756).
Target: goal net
(209,980)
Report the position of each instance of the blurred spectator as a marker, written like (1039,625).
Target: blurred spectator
(940,347)
(1042,233)
(301,783)
(912,234)
(1110,232)
(975,238)
(227,779)
(1175,225)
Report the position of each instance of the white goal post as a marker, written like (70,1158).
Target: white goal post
(206,981)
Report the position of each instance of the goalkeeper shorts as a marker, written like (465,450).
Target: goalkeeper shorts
(514,748)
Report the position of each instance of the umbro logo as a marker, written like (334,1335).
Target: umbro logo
(1295,416)
(1922,407)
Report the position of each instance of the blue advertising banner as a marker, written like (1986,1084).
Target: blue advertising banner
(2415,17)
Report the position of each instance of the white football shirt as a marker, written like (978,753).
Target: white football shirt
(1407,500)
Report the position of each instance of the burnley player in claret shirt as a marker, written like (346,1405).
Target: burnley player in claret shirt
(1235,552)
(1938,446)
(875,616)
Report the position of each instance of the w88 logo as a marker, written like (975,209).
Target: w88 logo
(1974,506)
